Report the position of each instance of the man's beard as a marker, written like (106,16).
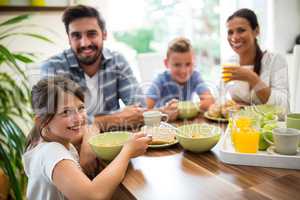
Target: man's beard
(90,59)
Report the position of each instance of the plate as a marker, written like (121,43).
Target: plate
(163,145)
(217,119)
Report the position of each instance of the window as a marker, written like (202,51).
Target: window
(146,26)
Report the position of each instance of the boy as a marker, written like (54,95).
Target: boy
(180,81)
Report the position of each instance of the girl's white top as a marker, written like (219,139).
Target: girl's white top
(39,163)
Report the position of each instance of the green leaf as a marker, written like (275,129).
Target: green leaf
(12,96)
(23,58)
(15,20)
(37,36)
(14,103)
(9,169)
(9,57)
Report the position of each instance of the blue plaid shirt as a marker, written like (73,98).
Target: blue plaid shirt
(116,78)
(164,88)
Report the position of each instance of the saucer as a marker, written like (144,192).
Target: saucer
(271,150)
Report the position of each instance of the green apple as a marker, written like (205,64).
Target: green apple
(267,129)
(269,126)
(269,118)
(263,144)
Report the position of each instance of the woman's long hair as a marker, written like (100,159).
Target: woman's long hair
(44,101)
(250,16)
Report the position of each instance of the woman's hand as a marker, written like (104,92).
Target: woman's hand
(241,74)
(137,145)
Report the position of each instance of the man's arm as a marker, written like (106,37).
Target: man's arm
(129,117)
(130,93)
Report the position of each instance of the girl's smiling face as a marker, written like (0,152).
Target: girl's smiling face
(69,119)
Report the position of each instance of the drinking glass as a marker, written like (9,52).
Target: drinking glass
(232,61)
(245,134)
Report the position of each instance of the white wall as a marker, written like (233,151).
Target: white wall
(50,25)
(286,20)
(279,21)
(45,23)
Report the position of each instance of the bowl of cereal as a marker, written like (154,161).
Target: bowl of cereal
(109,144)
(198,137)
(187,109)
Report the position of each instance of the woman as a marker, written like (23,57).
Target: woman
(265,72)
(52,163)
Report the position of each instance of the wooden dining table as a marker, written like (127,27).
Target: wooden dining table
(175,174)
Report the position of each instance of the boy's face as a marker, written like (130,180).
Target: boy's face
(181,66)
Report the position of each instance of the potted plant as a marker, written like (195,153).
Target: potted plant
(14,108)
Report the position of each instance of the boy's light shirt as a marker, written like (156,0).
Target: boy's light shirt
(164,88)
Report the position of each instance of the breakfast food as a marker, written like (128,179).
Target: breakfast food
(162,138)
(199,135)
(113,143)
(215,111)
(187,109)
(160,141)
(160,135)
(223,110)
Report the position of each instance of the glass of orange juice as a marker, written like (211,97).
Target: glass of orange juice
(225,73)
(232,61)
(246,140)
(245,135)
(238,123)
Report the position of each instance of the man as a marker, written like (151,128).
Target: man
(104,75)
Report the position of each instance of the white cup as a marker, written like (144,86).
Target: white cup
(286,140)
(153,118)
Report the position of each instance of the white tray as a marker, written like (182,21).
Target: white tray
(261,158)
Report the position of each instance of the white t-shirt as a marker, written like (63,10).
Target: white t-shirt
(39,163)
(274,73)
(93,96)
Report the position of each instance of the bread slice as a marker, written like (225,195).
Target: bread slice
(160,135)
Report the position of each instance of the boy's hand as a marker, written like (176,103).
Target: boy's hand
(206,100)
(171,109)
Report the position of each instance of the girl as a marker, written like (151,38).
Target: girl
(52,163)
(266,72)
